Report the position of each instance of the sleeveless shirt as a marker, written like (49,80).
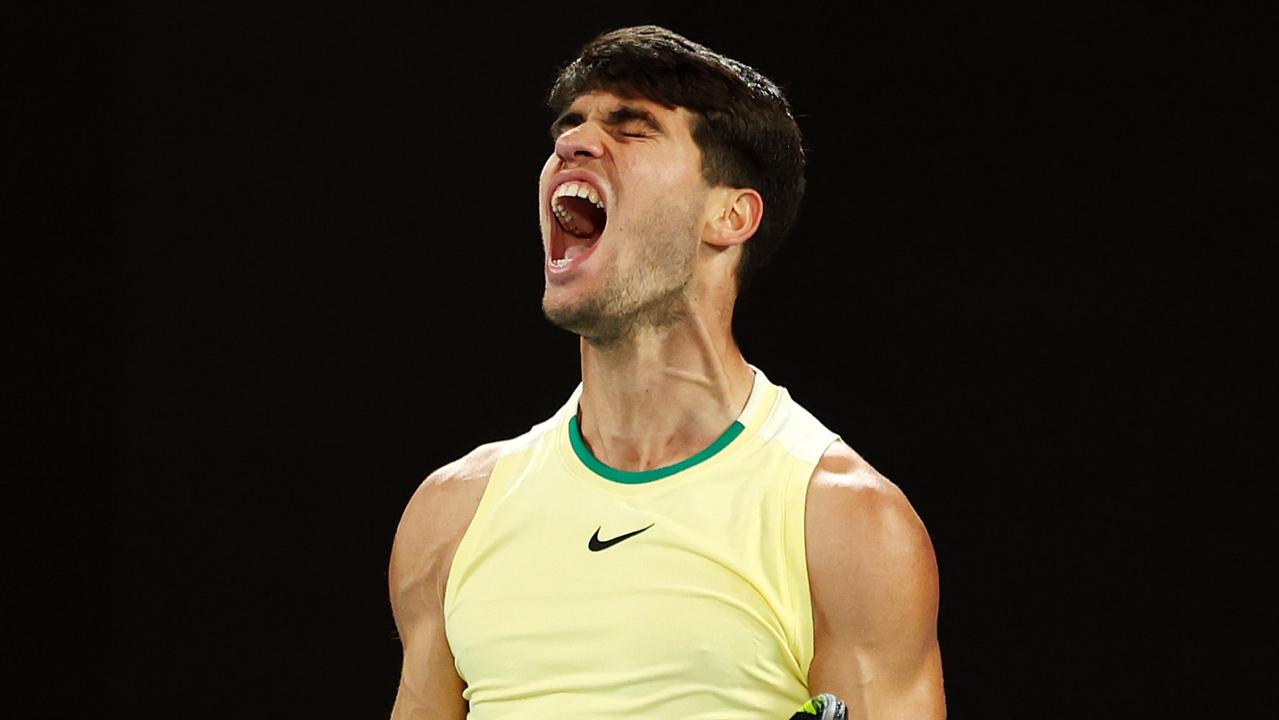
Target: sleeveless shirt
(582,591)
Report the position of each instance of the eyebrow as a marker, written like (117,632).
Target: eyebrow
(623,114)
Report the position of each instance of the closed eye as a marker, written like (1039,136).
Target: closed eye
(623,116)
(635,130)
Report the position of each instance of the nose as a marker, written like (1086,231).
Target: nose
(583,142)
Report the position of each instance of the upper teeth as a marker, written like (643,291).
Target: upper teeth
(574,189)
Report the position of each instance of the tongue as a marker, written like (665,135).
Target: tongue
(573,251)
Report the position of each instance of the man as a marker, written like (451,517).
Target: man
(680,539)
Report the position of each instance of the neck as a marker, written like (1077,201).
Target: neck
(662,394)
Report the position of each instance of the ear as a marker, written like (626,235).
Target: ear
(733,216)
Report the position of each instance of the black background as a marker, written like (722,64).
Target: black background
(1019,286)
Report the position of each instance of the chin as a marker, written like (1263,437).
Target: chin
(560,300)
(563,312)
(583,318)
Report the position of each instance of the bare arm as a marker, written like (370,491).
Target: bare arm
(432,525)
(874,583)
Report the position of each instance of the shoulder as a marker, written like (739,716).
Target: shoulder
(454,482)
(846,486)
(444,503)
(868,550)
(438,514)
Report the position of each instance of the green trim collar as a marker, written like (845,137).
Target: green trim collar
(635,477)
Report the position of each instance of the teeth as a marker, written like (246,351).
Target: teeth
(581,190)
(566,220)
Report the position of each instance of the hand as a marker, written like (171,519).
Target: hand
(823,707)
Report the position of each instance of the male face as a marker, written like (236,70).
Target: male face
(629,263)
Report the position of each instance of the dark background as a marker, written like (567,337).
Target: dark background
(1020,286)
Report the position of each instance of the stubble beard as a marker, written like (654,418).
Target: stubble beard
(651,293)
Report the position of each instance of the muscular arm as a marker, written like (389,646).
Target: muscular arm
(432,525)
(874,585)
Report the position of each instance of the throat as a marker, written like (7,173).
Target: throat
(638,422)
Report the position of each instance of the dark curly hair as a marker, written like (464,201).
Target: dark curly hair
(743,123)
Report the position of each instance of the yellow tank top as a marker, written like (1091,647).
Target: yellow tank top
(582,591)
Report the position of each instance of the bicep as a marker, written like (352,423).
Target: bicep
(430,687)
(874,586)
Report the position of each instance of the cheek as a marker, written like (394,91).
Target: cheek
(656,176)
(673,185)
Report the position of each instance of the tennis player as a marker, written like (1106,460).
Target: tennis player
(680,538)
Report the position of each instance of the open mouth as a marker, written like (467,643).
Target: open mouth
(581,216)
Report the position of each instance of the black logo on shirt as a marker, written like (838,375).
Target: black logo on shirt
(596,544)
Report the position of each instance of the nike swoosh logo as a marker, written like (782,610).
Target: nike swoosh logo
(596,544)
